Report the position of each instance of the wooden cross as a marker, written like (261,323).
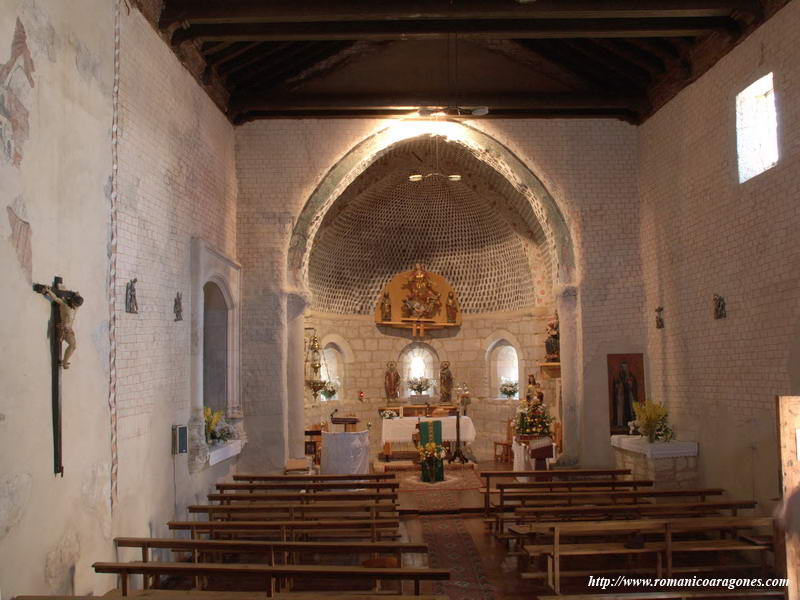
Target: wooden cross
(56,329)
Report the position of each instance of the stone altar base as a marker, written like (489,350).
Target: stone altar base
(671,465)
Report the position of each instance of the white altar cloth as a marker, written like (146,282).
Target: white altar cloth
(402,428)
(637,443)
(345,453)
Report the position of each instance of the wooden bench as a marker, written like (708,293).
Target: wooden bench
(306,498)
(664,528)
(227,595)
(292,511)
(674,595)
(254,477)
(201,549)
(313,486)
(374,528)
(611,474)
(270,573)
(588,497)
(552,513)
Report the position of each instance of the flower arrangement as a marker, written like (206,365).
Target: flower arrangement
(509,388)
(329,390)
(419,384)
(532,419)
(651,419)
(431,451)
(218,430)
(388,414)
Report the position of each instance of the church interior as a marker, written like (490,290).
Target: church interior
(456,300)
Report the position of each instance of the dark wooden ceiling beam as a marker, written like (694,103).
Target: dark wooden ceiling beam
(295,67)
(299,102)
(259,54)
(566,58)
(425,30)
(288,11)
(230,53)
(273,63)
(633,54)
(594,54)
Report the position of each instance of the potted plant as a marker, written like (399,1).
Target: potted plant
(329,390)
(532,420)
(218,430)
(430,460)
(651,420)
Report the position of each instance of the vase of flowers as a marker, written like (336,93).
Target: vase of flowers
(509,388)
(218,430)
(431,457)
(651,420)
(419,384)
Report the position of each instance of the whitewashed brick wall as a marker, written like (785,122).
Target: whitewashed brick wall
(704,233)
(177,181)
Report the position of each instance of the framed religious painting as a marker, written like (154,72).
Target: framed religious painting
(625,388)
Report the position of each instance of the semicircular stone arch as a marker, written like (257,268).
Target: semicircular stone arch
(482,147)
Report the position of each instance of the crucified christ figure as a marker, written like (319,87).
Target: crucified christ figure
(66,311)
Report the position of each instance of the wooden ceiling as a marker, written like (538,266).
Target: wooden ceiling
(518,58)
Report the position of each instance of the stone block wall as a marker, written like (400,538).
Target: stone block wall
(667,473)
(704,233)
(366,350)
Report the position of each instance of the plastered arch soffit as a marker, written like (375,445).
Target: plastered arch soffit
(341,343)
(479,144)
(499,336)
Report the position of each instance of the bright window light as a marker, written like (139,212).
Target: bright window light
(756,129)
(417,367)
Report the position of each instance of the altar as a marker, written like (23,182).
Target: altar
(402,429)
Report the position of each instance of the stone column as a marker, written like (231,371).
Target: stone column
(566,303)
(295,367)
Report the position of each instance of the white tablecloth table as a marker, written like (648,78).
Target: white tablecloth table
(345,453)
(402,428)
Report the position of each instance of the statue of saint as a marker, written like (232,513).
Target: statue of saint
(131,305)
(534,391)
(451,307)
(386,307)
(66,310)
(551,344)
(423,301)
(445,383)
(625,395)
(177,307)
(391,381)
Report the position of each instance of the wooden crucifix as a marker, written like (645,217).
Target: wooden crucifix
(64,303)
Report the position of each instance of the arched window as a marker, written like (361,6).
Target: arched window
(215,348)
(332,370)
(418,360)
(503,366)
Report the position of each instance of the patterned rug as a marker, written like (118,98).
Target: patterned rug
(447,495)
(450,546)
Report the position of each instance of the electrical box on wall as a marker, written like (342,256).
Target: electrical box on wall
(180,439)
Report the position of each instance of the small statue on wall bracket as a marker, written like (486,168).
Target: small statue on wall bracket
(131,305)
(552,344)
(660,317)
(386,307)
(177,306)
(720,312)
(451,308)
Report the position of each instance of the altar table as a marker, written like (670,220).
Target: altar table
(402,428)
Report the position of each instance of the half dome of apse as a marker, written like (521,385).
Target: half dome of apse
(444,225)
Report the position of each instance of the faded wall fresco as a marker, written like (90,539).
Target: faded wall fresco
(16,78)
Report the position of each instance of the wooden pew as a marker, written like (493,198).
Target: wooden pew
(572,484)
(662,528)
(759,593)
(588,496)
(306,498)
(309,486)
(544,475)
(152,594)
(527,514)
(373,527)
(201,549)
(268,572)
(289,511)
(255,477)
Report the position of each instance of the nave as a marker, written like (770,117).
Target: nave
(311,536)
